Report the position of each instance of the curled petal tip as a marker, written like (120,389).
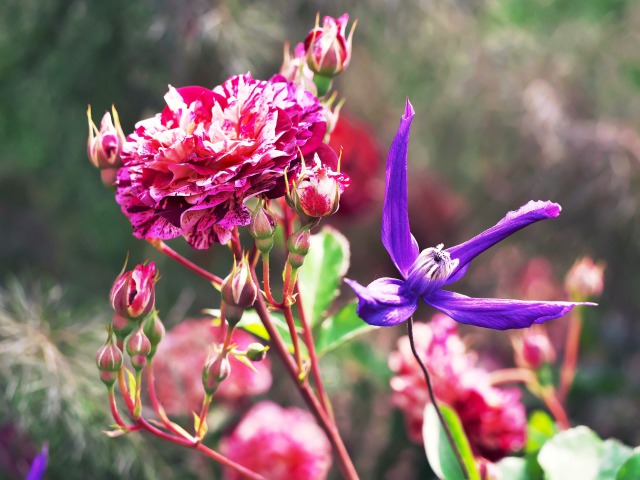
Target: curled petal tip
(409,112)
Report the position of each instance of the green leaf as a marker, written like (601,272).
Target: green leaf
(540,428)
(614,455)
(441,456)
(340,328)
(513,468)
(320,275)
(251,323)
(574,453)
(630,469)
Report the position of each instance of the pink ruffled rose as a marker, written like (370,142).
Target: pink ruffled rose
(494,419)
(278,443)
(188,170)
(180,361)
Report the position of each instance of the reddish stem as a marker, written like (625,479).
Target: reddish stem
(288,315)
(116,415)
(555,407)
(266,284)
(169,252)
(155,403)
(125,391)
(572,345)
(236,246)
(327,424)
(512,375)
(313,356)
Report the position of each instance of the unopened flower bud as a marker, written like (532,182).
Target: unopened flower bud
(327,48)
(154,329)
(215,371)
(585,279)
(138,348)
(122,326)
(238,288)
(316,193)
(109,361)
(533,350)
(104,146)
(298,245)
(262,227)
(256,352)
(133,292)
(295,69)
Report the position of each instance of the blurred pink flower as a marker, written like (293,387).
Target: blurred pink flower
(279,443)
(180,361)
(585,279)
(494,419)
(188,170)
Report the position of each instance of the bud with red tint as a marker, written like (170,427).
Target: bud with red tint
(109,361)
(533,349)
(215,371)
(585,279)
(105,145)
(298,245)
(327,48)
(316,192)
(138,348)
(238,291)
(262,227)
(133,293)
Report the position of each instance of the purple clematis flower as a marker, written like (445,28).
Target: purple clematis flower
(388,301)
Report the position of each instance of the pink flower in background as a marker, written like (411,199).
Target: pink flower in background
(585,279)
(494,419)
(188,170)
(180,360)
(279,443)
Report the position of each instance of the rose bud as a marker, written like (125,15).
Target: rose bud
(262,227)
(238,291)
(327,48)
(139,348)
(154,330)
(298,245)
(215,371)
(585,279)
(109,361)
(256,352)
(105,145)
(533,350)
(133,293)
(316,192)
(122,326)
(295,69)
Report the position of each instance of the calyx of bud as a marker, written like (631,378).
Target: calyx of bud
(133,293)
(298,245)
(256,352)
(154,329)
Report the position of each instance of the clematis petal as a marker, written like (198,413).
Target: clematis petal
(497,313)
(532,212)
(396,235)
(384,302)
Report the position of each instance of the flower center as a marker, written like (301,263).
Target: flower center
(430,270)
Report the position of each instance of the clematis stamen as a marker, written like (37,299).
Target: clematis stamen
(430,270)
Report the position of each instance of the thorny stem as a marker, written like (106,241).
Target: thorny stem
(265,280)
(313,356)
(434,402)
(288,315)
(169,252)
(327,424)
(568,370)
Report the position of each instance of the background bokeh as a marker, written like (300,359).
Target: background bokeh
(514,99)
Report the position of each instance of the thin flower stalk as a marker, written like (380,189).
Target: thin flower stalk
(169,252)
(570,361)
(153,397)
(288,315)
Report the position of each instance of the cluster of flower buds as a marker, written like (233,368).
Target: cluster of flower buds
(139,349)
(328,49)
(585,279)
(238,291)
(132,298)
(533,349)
(298,245)
(109,360)
(104,146)
(216,370)
(316,191)
(263,227)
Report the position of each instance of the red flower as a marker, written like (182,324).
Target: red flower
(279,443)
(180,360)
(494,419)
(188,170)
